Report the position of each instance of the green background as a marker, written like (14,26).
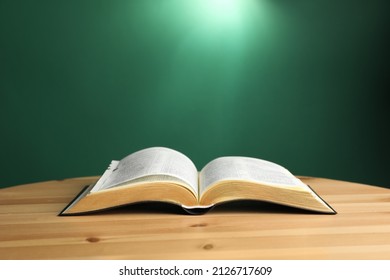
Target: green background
(300,82)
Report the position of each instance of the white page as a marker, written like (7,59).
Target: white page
(152,162)
(248,169)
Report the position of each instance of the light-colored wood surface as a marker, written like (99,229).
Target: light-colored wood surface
(31,229)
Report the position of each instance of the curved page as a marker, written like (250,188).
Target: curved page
(246,169)
(149,163)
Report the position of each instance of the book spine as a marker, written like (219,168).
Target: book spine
(197,210)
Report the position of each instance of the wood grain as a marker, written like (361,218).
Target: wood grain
(30,227)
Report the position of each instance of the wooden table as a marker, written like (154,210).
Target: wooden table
(31,229)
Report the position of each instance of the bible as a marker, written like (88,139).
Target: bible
(160,174)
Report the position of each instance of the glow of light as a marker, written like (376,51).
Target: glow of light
(222,13)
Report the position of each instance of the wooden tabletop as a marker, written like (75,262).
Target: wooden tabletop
(30,227)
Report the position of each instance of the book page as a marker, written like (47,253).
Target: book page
(247,169)
(154,163)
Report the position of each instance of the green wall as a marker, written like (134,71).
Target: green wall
(300,82)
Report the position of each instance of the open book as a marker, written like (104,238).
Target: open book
(165,175)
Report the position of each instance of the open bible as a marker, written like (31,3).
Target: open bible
(165,175)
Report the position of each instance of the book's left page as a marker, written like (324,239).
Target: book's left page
(148,165)
(153,174)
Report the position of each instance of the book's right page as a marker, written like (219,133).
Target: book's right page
(247,169)
(231,178)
